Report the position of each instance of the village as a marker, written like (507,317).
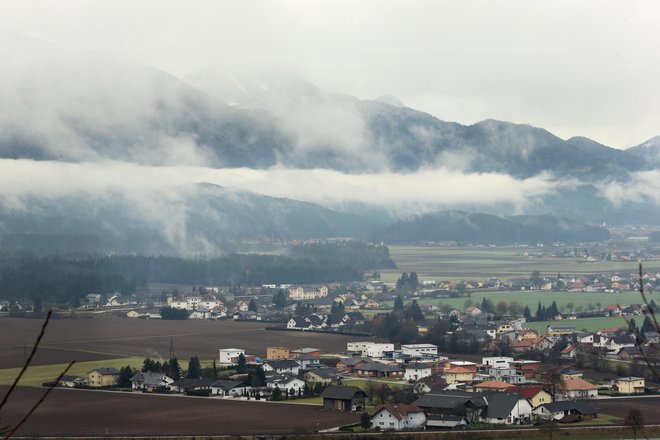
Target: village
(411,387)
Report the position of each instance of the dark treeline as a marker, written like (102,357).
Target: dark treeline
(65,279)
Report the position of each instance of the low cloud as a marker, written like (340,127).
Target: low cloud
(640,187)
(425,189)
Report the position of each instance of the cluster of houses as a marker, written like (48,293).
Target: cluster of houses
(318,321)
(450,393)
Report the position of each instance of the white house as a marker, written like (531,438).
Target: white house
(150,381)
(286,383)
(506,408)
(577,388)
(230,388)
(285,366)
(416,371)
(420,350)
(369,349)
(497,361)
(398,417)
(230,355)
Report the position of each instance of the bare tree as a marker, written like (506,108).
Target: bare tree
(635,421)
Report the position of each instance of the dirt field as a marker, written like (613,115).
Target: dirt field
(90,413)
(97,339)
(648,406)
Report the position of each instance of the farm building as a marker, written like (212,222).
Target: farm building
(343,398)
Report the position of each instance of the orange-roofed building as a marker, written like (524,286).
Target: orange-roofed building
(459,375)
(577,389)
(492,385)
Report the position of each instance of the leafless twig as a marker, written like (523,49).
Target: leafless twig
(36,405)
(29,359)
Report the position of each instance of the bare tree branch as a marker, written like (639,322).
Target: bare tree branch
(36,405)
(29,359)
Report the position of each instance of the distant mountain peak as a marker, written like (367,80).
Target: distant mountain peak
(390,100)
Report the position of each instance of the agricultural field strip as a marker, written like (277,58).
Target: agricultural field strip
(138,338)
(50,347)
(431,262)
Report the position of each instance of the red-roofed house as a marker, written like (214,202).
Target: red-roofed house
(536,395)
(459,375)
(569,352)
(398,417)
(492,385)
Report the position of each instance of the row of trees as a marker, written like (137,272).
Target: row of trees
(65,279)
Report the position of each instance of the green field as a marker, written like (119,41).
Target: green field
(532,298)
(588,324)
(36,375)
(452,263)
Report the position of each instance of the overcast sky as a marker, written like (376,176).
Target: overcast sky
(575,68)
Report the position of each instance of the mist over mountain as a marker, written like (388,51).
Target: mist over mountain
(467,228)
(199,219)
(99,152)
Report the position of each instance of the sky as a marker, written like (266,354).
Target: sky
(586,68)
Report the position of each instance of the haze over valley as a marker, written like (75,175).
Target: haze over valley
(97,145)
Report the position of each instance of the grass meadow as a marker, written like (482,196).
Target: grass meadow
(455,264)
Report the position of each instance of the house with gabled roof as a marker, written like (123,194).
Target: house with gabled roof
(343,398)
(577,389)
(459,375)
(492,385)
(230,388)
(289,385)
(103,377)
(536,395)
(284,366)
(378,369)
(150,382)
(321,375)
(566,409)
(298,323)
(504,408)
(398,417)
(346,365)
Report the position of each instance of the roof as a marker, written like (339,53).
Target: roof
(459,370)
(305,350)
(582,406)
(281,379)
(500,404)
(452,402)
(229,384)
(629,379)
(193,383)
(378,366)
(342,392)
(285,363)
(417,366)
(67,378)
(325,373)
(399,410)
(493,385)
(149,378)
(107,370)
(578,384)
(526,392)
(354,360)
